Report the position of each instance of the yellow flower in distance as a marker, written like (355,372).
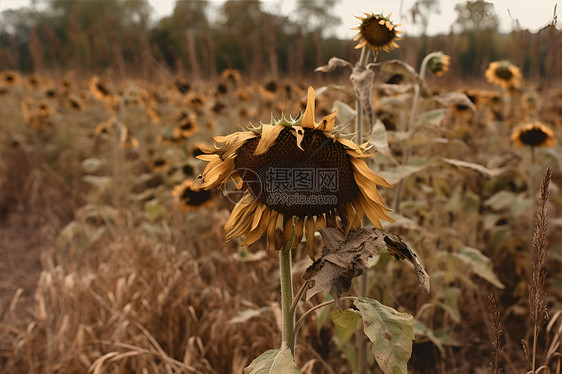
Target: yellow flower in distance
(535,134)
(377,32)
(192,198)
(9,78)
(504,74)
(295,168)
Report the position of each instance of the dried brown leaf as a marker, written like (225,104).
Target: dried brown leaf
(343,259)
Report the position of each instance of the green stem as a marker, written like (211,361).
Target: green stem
(363,59)
(288,314)
(316,307)
(413,115)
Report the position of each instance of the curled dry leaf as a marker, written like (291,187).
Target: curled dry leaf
(397,67)
(343,259)
(333,64)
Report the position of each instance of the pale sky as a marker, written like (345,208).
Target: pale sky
(532,14)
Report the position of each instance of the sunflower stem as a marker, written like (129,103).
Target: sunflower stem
(288,313)
(413,115)
(365,54)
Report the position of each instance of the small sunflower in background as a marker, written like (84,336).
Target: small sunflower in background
(44,110)
(230,75)
(9,78)
(192,198)
(534,134)
(297,168)
(199,149)
(159,165)
(377,32)
(74,102)
(186,126)
(439,63)
(504,74)
(33,82)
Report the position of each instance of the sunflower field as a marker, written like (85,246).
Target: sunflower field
(386,209)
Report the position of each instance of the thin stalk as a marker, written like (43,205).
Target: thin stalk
(288,314)
(363,280)
(363,59)
(413,115)
(534,349)
(316,307)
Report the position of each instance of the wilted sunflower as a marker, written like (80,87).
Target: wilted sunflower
(377,32)
(230,75)
(99,89)
(192,198)
(159,164)
(535,134)
(186,125)
(438,64)
(295,168)
(503,73)
(32,82)
(9,78)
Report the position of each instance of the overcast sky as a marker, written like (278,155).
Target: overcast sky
(532,14)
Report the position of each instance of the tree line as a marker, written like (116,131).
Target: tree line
(200,39)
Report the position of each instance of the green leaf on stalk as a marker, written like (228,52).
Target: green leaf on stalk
(391,332)
(433,117)
(278,361)
(396,174)
(479,263)
(345,112)
(346,324)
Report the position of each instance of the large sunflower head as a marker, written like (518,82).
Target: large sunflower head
(535,134)
(504,74)
(377,32)
(295,168)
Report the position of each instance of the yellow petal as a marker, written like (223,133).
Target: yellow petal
(308,116)
(320,222)
(327,123)
(269,134)
(299,228)
(363,169)
(287,230)
(271,229)
(299,134)
(257,215)
(256,233)
(310,236)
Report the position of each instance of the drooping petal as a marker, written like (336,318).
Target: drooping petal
(310,236)
(308,116)
(269,134)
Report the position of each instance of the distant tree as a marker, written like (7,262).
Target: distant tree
(477,23)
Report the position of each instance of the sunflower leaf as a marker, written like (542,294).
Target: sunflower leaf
(397,67)
(279,361)
(454,98)
(391,332)
(345,112)
(490,173)
(480,264)
(342,259)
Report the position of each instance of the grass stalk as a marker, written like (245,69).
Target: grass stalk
(537,291)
